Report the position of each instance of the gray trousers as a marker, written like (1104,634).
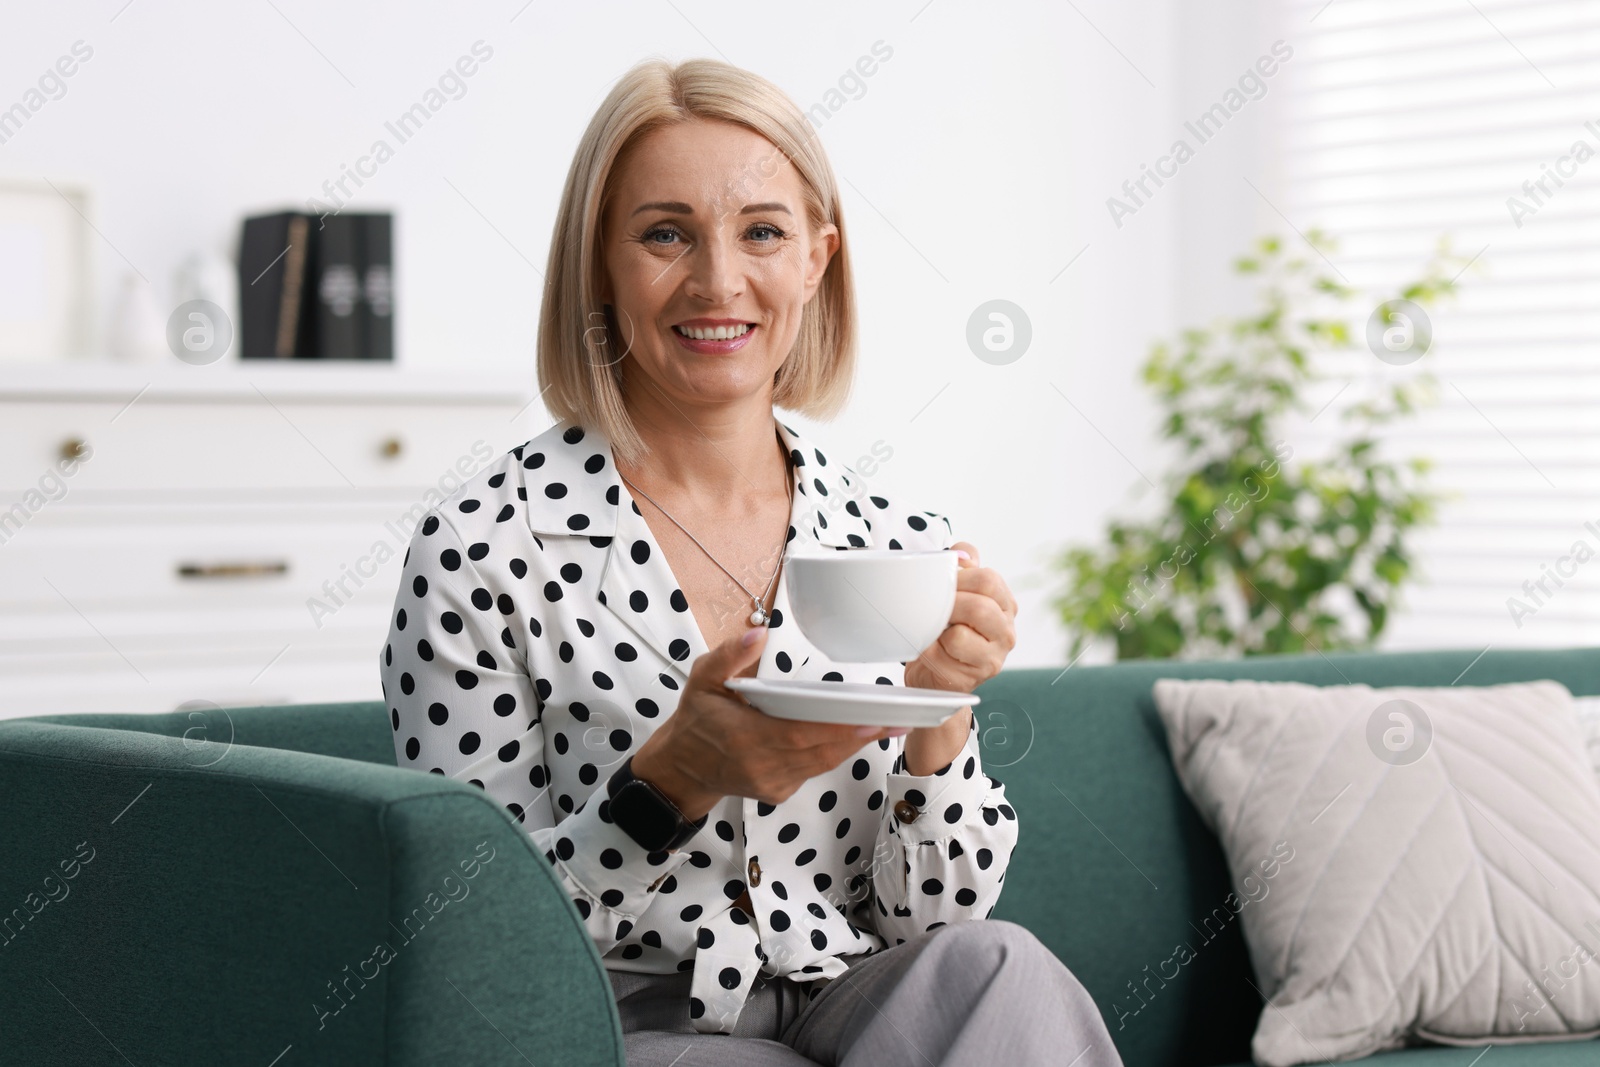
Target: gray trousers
(980,993)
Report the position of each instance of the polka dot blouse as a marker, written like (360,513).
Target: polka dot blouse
(538,638)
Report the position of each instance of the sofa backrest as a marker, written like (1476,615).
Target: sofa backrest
(1114,869)
(168,900)
(358,731)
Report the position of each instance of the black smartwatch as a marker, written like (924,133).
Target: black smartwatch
(646,814)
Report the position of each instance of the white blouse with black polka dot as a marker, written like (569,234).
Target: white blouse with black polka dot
(539,636)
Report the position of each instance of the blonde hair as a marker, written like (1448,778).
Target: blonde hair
(579,349)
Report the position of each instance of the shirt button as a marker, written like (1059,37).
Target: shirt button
(755,872)
(906,811)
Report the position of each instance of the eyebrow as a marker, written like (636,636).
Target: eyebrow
(678,207)
(672,207)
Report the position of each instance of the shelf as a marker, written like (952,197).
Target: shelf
(233,381)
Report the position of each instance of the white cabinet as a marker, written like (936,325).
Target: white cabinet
(228,534)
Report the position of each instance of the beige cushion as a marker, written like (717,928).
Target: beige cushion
(1589,726)
(1445,864)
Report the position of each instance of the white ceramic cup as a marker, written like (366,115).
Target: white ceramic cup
(872,605)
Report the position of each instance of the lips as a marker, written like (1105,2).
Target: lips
(713,337)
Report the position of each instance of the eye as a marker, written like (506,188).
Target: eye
(762,227)
(660,231)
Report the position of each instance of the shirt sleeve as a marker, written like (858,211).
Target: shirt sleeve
(944,839)
(896,527)
(943,844)
(463,704)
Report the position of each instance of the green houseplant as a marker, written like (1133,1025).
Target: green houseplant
(1255,552)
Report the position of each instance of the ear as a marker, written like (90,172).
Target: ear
(824,243)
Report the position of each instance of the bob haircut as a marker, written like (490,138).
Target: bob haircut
(580,349)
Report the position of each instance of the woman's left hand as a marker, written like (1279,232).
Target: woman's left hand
(972,649)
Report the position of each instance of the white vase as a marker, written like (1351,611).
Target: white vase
(207,276)
(137,332)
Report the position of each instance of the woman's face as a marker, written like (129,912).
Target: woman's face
(709,262)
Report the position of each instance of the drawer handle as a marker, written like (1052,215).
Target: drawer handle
(390,449)
(233,570)
(74,448)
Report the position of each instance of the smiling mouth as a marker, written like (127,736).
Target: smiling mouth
(714,333)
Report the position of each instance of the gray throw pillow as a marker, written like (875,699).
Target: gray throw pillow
(1445,883)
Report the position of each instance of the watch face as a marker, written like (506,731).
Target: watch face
(643,816)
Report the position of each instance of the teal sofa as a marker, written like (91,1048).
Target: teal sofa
(233,876)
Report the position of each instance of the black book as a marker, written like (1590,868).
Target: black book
(274,257)
(335,288)
(377,285)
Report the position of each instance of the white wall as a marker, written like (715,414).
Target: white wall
(982,151)
(1218,209)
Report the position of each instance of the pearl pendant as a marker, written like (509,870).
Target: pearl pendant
(758,617)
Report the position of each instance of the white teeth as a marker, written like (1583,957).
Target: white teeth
(716,333)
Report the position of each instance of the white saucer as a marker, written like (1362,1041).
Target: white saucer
(852,703)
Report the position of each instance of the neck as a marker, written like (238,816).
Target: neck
(722,452)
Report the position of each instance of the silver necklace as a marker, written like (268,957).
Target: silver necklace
(759,616)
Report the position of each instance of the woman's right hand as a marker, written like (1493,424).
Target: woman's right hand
(716,745)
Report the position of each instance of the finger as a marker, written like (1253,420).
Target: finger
(827,757)
(987,581)
(729,658)
(948,672)
(800,737)
(802,764)
(967,649)
(970,549)
(842,737)
(979,635)
(985,616)
(852,737)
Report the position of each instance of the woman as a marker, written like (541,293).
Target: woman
(566,621)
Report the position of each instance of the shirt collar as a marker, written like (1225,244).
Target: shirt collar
(576,489)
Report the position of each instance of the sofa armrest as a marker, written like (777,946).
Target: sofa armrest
(170,902)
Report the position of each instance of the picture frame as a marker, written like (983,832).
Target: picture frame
(45,271)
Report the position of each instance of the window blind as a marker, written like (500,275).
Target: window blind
(1478,120)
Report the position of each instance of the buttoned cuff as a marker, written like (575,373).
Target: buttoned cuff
(932,807)
(607,864)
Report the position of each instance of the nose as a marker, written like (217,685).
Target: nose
(715,276)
